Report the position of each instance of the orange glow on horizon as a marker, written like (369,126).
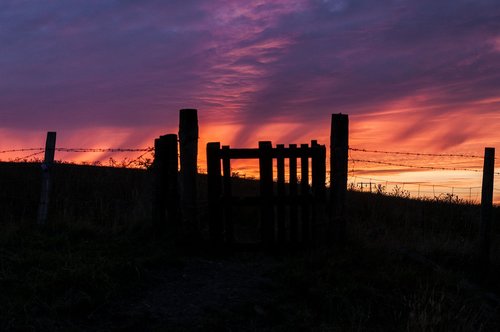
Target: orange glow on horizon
(366,131)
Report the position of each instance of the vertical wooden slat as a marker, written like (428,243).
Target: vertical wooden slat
(266,193)
(228,195)
(50,148)
(214,193)
(304,191)
(294,227)
(188,146)
(339,146)
(280,163)
(486,207)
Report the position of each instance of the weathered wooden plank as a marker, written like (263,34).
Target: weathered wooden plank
(266,192)
(228,218)
(255,154)
(294,227)
(304,190)
(280,165)
(214,193)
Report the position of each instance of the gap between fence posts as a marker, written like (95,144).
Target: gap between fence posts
(188,146)
(50,148)
(486,208)
(339,146)
(165,195)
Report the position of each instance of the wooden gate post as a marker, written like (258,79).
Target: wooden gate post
(266,193)
(339,147)
(50,148)
(318,166)
(486,207)
(166,194)
(214,193)
(188,146)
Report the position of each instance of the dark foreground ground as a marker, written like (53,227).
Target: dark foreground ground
(407,265)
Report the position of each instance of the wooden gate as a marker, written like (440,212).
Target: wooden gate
(300,197)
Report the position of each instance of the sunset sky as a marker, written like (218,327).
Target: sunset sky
(415,75)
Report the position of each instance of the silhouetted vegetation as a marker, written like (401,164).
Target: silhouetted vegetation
(407,265)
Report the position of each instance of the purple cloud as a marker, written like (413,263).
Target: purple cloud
(132,64)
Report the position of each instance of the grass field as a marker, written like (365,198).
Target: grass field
(97,266)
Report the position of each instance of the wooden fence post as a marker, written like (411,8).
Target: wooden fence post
(294,227)
(214,193)
(280,164)
(266,193)
(318,166)
(304,193)
(50,148)
(166,194)
(188,146)
(228,195)
(339,147)
(486,207)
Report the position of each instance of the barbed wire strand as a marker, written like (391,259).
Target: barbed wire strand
(415,183)
(22,150)
(418,153)
(148,149)
(421,167)
(28,156)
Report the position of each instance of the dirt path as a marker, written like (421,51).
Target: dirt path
(224,294)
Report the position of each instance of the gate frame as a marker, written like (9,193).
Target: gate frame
(221,199)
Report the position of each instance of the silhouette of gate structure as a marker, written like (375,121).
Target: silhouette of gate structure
(299,196)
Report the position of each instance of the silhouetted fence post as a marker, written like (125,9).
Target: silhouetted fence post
(339,147)
(280,165)
(294,224)
(188,146)
(166,194)
(318,166)
(266,193)
(214,193)
(304,193)
(228,195)
(486,207)
(50,148)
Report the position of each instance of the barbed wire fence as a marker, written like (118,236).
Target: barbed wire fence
(358,168)
(360,171)
(143,160)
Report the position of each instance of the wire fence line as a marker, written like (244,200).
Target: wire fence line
(413,188)
(418,166)
(126,161)
(417,188)
(417,153)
